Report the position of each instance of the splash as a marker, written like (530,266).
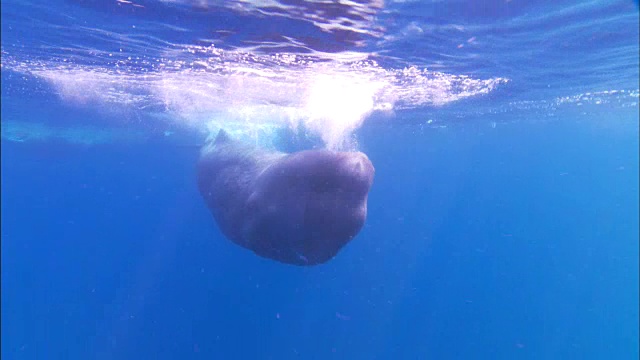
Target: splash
(329,95)
(336,105)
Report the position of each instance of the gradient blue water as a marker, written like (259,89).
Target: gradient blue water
(510,242)
(486,239)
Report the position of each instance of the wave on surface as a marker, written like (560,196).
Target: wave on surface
(323,67)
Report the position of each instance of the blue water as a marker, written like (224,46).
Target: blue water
(502,223)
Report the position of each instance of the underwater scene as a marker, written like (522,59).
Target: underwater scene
(320,179)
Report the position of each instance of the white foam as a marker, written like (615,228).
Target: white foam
(330,95)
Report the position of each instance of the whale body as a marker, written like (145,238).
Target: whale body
(299,208)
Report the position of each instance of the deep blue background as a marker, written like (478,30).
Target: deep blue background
(505,242)
(511,232)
